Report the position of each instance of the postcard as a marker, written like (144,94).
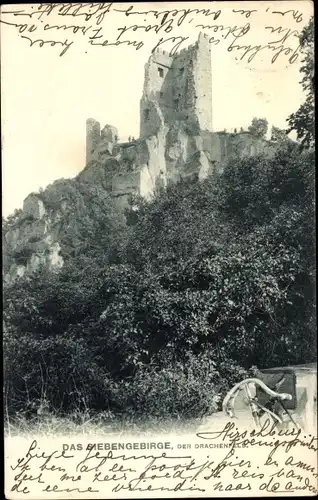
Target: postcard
(159,327)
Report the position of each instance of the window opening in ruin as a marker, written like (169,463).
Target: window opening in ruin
(146,114)
(176,103)
(181,70)
(161,94)
(160,71)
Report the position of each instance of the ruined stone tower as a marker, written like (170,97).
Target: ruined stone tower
(99,143)
(178,88)
(92,137)
(176,142)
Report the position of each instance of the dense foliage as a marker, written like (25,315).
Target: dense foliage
(162,315)
(303,120)
(278,135)
(212,278)
(258,127)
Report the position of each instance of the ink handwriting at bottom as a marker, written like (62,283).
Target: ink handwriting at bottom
(184,474)
(25,464)
(291,437)
(155,469)
(90,471)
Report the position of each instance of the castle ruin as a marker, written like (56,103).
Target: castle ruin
(178,89)
(176,138)
(176,142)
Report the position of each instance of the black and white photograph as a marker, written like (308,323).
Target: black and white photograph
(158,200)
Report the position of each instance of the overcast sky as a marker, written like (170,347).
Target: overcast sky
(47,98)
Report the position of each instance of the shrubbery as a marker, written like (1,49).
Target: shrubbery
(22,253)
(65,375)
(160,317)
(208,279)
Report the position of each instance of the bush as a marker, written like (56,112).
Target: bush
(163,317)
(11,221)
(188,389)
(58,371)
(64,375)
(258,127)
(22,254)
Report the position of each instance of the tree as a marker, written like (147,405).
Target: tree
(219,276)
(164,316)
(278,135)
(252,189)
(303,120)
(10,221)
(258,127)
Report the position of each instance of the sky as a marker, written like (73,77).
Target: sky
(46,98)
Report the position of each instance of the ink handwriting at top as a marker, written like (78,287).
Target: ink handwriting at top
(67,9)
(243,12)
(111,25)
(298,16)
(66,44)
(252,50)
(236,31)
(179,14)
(287,33)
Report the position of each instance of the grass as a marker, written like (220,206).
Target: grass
(81,423)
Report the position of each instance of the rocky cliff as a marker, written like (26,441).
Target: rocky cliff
(32,239)
(175,143)
(171,152)
(120,170)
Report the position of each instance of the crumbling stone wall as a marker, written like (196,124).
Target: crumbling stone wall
(180,85)
(176,141)
(203,82)
(176,138)
(92,137)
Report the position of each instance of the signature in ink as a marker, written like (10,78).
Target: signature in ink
(292,437)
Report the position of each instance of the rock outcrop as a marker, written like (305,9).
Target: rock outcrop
(32,240)
(176,142)
(122,170)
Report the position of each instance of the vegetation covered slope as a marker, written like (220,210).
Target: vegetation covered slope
(163,315)
(211,278)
